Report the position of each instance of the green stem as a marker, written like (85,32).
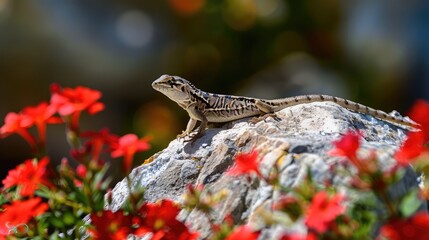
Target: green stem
(72,204)
(133,200)
(72,138)
(388,203)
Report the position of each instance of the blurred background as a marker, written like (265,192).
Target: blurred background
(372,52)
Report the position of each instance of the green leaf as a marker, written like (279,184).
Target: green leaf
(410,203)
(68,219)
(54,236)
(56,222)
(44,192)
(2,200)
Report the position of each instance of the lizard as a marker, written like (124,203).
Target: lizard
(207,107)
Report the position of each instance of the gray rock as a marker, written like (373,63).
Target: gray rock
(305,131)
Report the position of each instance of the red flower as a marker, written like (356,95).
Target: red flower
(160,219)
(245,163)
(81,171)
(347,145)
(420,113)
(18,123)
(310,236)
(28,176)
(41,115)
(243,232)
(127,146)
(19,213)
(97,140)
(323,210)
(73,101)
(411,148)
(414,145)
(415,227)
(110,225)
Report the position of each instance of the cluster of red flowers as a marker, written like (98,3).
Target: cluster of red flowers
(33,190)
(19,123)
(414,150)
(69,103)
(19,213)
(415,144)
(324,212)
(158,219)
(415,227)
(28,176)
(319,214)
(66,106)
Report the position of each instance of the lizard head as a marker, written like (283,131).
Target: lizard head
(176,88)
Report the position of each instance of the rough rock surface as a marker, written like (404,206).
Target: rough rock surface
(305,132)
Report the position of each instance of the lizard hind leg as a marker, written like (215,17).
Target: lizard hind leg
(264,107)
(266,111)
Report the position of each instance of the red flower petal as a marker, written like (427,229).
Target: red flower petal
(347,146)
(96,141)
(420,114)
(110,225)
(95,108)
(67,109)
(415,227)
(245,163)
(81,171)
(323,210)
(243,232)
(28,176)
(71,100)
(411,148)
(20,212)
(127,146)
(14,122)
(160,219)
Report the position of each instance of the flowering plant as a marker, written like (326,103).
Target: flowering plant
(40,201)
(324,210)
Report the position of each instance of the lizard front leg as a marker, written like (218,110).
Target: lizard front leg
(197,114)
(191,125)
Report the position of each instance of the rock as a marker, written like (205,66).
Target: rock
(305,131)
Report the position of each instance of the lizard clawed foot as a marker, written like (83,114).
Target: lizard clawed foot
(182,135)
(255,120)
(192,137)
(189,137)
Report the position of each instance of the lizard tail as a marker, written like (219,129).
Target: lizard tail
(279,104)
